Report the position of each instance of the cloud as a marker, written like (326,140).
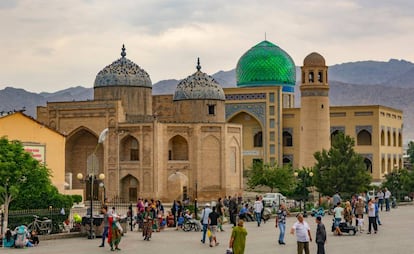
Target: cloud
(72,40)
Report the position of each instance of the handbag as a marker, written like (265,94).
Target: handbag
(208,233)
(229,251)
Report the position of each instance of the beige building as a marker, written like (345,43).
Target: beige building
(166,147)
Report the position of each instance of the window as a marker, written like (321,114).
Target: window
(311,77)
(258,139)
(272,97)
(211,109)
(320,77)
(364,138)
(134,151)
(287,139)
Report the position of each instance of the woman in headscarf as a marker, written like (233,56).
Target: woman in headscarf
(238,238)
(148,221)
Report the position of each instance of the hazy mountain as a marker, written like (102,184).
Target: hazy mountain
(361,83)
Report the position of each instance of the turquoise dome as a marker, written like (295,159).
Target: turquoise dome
(266,65)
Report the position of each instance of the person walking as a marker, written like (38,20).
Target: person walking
(115,234)
(238,238)
(282,213)
(258,207)
(213,218)
(320,237)
(380,195)
(204,220)
(372,219)
(220,211)
(338,212)
(303,234)
(233,210)
(106,214)
(387,196)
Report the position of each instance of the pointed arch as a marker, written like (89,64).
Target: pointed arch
(368,165)
(80,144)
(129,149)
(382,138)
(130,188)
(388,138)
(364,138)
(287,139)
(211,158)
(177,148)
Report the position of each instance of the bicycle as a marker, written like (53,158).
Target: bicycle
(41,226)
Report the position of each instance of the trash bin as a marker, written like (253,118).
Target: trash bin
(97,228)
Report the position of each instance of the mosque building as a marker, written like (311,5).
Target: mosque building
(196,142)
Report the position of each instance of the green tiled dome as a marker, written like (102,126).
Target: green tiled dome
(266,64)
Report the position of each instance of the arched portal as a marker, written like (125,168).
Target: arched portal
(129,188)
(177,183)
(364,138)
(368,165)
(177,148)
(252,132)
(81,144)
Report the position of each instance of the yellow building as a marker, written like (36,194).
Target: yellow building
(275,131)
(45,144)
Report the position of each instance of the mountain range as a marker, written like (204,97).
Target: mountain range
(356,83)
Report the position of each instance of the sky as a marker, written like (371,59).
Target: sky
(50,45)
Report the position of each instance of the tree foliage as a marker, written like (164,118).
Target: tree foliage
(272,176)
(24,182)
(400,183)
(410,151)
(341,168)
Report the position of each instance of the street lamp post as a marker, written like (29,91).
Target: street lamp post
(195,201)
(304,176)
(91,170)
(102,185)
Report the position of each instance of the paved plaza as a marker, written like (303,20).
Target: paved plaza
(395,236)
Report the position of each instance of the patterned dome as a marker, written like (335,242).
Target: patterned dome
(266,64)
(314,60)
(122,72)
(199,86)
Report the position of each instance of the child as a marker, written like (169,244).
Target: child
(360,223)
(34,239)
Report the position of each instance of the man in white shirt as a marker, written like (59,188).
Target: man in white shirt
(258,207)
(303,234)
(204,220)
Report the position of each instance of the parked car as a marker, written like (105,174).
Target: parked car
(273,199)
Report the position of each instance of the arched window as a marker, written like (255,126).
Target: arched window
(129,149)
(258,139)
(364,138)
(177,148)
(320,77)
(286,161)
(334,134)
(311,77)
(383,165)
(382,138)
(399,140)
(388,138)
(368,165)
(287,139)
(394,138)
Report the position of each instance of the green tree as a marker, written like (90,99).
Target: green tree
(25,181)
(410,151)
(272,176)
(341,168)
(400,183)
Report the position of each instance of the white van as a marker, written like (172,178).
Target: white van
(273,199)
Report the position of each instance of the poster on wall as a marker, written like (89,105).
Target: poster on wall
(37,151)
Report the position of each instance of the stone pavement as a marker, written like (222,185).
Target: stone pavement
(395,236)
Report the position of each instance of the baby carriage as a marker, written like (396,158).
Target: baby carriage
(21,236)
(344,227)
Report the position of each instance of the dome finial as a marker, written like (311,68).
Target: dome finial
(198,64)
(123,53)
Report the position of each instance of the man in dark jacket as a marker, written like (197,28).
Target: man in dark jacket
(320,235)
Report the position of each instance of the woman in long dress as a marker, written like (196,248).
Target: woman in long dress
(238,238)
(148,221)
(114,234)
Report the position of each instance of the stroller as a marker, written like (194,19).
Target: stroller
(21,236)
(344,227)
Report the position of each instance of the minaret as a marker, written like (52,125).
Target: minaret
(314,112)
